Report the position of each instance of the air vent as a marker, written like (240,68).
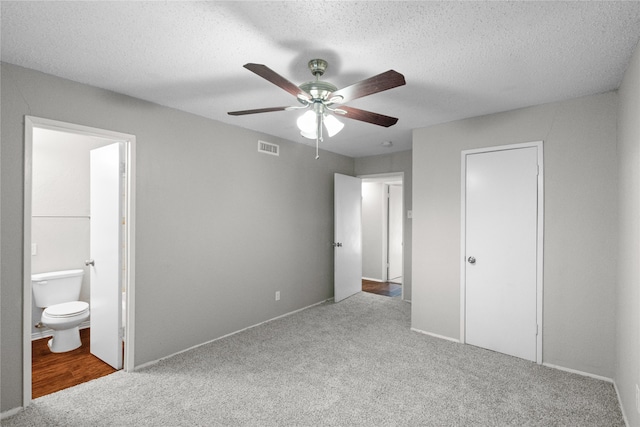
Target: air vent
(268,148)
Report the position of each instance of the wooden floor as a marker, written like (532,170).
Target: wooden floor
(389,289)
(51,372)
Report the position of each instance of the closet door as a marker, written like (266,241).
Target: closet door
(501,235)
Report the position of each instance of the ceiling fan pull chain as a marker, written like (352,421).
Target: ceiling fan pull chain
(319,130)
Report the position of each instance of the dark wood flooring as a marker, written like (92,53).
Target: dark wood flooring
(51,372)
(389,289)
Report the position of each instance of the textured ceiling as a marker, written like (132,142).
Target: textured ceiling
(460,59)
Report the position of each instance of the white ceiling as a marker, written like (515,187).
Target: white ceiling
(460,59)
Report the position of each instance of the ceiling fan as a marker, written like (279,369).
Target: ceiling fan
(323,98)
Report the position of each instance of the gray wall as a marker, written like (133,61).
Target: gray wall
(580,223)
(219,227)
(388,163)
(627,373)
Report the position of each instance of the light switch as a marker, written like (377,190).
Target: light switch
(409,214)
(34,249)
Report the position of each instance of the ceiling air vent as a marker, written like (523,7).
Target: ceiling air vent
(268,148)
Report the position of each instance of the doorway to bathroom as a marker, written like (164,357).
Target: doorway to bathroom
(65,228)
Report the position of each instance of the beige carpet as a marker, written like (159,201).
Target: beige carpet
(355,363)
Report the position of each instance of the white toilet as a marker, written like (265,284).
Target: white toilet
(59,291)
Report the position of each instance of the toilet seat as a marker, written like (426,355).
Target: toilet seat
(67,309)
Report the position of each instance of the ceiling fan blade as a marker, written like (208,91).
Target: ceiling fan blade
(368,116)
(275,78)
(375,84)
(258,110)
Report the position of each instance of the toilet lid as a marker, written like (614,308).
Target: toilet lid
(67,309)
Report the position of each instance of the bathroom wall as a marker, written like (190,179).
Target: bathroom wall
(60,205)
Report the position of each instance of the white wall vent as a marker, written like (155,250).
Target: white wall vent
(268,148)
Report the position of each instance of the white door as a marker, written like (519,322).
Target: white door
(347,236)
(106,245)
(395,234)
(501,251)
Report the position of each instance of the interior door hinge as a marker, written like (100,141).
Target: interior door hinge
(537,329)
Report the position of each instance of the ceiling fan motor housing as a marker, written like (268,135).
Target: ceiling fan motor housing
(318,66)
(318,89)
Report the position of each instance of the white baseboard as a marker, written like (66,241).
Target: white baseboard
(153,362)
(575,371)
(46,333)
(597,377)
(373,280)
(624,414)
(442,337)
(10,412)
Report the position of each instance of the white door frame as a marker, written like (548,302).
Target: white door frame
(540,236)
(384,177)
(30,123)
(388,233)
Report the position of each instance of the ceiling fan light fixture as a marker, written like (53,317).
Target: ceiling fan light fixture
(332,124)
(309,135)
(307,124)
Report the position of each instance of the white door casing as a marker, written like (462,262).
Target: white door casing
(30,124)
(106,249)
(501,280)
(347,236)
(395,233)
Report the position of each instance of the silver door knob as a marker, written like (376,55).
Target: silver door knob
(337,245)
(90,262)
(471,260)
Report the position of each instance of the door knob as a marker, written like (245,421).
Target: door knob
(471,260)
(337,245)
(90,262)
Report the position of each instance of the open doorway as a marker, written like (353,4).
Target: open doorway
(59,237)
(382,234)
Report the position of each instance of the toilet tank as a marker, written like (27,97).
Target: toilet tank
(56,287)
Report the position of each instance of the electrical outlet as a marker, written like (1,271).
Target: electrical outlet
(637,399)
(277,295)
